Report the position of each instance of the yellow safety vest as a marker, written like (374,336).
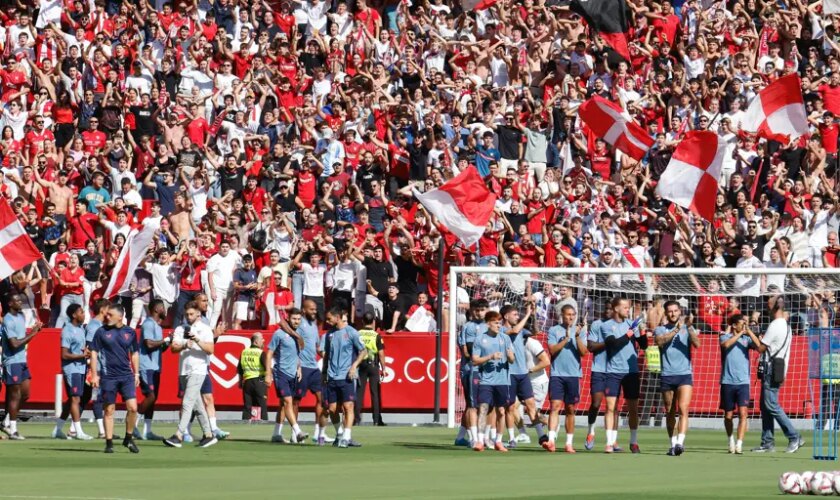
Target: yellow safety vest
(251,363)
(830,365)
(653,359)
(368,338)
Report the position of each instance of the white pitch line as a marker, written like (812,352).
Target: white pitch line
(35,497)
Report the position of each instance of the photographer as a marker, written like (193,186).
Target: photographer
(195,343)
(772,368)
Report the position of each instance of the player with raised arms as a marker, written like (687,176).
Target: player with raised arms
(566,345)
(735,344)
(621,337)
(675,339)
(492,355)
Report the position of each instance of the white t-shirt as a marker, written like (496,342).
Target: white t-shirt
(193,359)
(532,351)
(777,340)
(749,285)
(222,269)
(342,276)
(164,281)
(313,279)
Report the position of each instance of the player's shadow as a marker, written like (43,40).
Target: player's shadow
(449,447)
(70,450)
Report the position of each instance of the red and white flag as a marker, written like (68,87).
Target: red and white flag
(608,121)
(778,111)
(463,205)
(691,178)
(138,242)
(16,247)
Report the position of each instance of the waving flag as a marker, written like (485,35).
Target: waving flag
(778,111)
(691,178)
(16,247)
(608,121)
(463,205)
(138,242)
(610,18)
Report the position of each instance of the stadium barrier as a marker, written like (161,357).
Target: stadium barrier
(408,385)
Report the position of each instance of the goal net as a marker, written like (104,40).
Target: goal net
(710,295)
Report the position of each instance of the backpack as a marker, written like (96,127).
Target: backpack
(258,239)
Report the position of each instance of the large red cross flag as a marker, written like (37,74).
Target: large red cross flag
(691,178)
(778,111)
(16,247)
(136,245)
(463,205)
(608,121)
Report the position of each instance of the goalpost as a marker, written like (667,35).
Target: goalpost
(811,296)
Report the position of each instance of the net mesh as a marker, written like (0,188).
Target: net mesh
(810,298)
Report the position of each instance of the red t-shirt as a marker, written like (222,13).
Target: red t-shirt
(72,276)
(306,188)
(197,131)
(93,140)
(83,230)
(35,141)
(831,97)
(400,162)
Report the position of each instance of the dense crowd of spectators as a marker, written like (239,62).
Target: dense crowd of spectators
(277,144)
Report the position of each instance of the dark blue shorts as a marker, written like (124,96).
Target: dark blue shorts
(497,396)
(310,381)
(469,383)
(150,382)
(74,384)
(15,374)
(734,396)
(566,389)
(206,386)
(110,387)
(340,392)
(628,383)
(599,383)
(284,385)
(672,382)
(520,388)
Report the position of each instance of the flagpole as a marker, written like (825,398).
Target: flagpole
(439,336)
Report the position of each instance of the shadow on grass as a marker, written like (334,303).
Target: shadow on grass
(70,450)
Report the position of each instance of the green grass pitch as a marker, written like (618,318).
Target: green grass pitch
(395,462)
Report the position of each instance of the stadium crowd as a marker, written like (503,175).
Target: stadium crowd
(277,144)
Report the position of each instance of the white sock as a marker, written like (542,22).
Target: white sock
(474,432)
(12,426)
(147,426)
(492,434)
(59,425)
(347,434)
(673,440)
(732,440)
(511,433)
(296,429)
(278,429)
(633,433)
(552,436)
(323,433)
(592,428)
(540,430)
(680,439)
(481,438)
(498,439)
(570,438)
(739,444)
(612,437)
(341,428)
(337,428)
(213,426)
(100,425)
(77,426)
(6,421)
(317,431)
(488,431)
(462,431)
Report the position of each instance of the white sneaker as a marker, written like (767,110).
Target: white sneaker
(523,438)
(58,434)
(731,448)
(83,437)
(739,450)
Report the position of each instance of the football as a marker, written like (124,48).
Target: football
(789,483)
(822,483)
(805,481)
(836,482)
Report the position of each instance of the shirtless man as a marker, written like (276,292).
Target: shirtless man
(180,218)
(60,194)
